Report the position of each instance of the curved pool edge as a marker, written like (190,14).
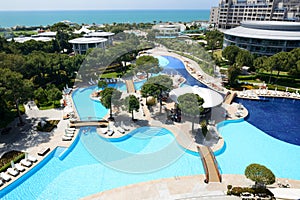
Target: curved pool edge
(42,161)
(183,186)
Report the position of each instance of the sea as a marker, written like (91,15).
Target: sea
(44,18)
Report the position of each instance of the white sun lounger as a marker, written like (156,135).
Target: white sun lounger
(12,172)
(5,177)
(31,158)
(19,167)
(25,163)
(1,182)
(71,129)
(66,138)
(121,130)
(110,132)
(68,131)
(69,134)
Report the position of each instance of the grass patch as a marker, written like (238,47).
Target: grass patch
(48,127)
(50,105)
(5,160)
(110,75)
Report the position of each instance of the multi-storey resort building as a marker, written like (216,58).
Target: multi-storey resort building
(264,38)
(232,12)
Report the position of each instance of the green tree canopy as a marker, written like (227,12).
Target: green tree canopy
(260,174)
(102,84)
(157,84)
(13,88)
(244,58)
(230,53)
(53,93)
(191,104)
(233,72)
(131,103)
(214,39)
(260,63)
(147,64)
(110,96)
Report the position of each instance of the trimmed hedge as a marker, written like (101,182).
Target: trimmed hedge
(237,191)
(16,156)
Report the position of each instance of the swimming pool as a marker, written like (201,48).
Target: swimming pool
(268,136)
(83,172)
(278,117)
(87,108)
(174,66)
(245,144)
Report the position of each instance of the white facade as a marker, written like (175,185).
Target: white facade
(47,34)
(214,13)
(81,45)
(25,39)
(232,12)
(100,34)
(169,30)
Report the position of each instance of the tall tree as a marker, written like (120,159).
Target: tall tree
(244,58)
(260,63)
(131,103)
(191,104)
(108,96)
(147,64)
(157,84)
(230,53)
(14,88)
(233,72)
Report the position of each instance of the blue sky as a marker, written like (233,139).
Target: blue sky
(106,4)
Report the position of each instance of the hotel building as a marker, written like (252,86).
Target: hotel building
(264,38)
(97,39)
(81,45)
(232,12)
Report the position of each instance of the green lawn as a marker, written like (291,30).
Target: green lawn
(50,105)
(110,75)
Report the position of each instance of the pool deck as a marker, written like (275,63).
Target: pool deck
(187,187)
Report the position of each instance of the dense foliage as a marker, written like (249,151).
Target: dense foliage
(157,84)
(191,104)
(131,103)
(260,174)
(110,96)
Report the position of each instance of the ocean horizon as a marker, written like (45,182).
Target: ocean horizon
(49,17)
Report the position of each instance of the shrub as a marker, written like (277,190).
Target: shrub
(16,156)
(204,128)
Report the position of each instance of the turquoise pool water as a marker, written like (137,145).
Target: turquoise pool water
(246,144)
(87,108)
(82,172)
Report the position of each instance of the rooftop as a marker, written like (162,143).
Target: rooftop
(47,34)
(87,40)
(25,39)
(267,30)
(99,34)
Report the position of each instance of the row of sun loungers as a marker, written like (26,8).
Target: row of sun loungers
(17,168)
(68,135)
(111,132)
